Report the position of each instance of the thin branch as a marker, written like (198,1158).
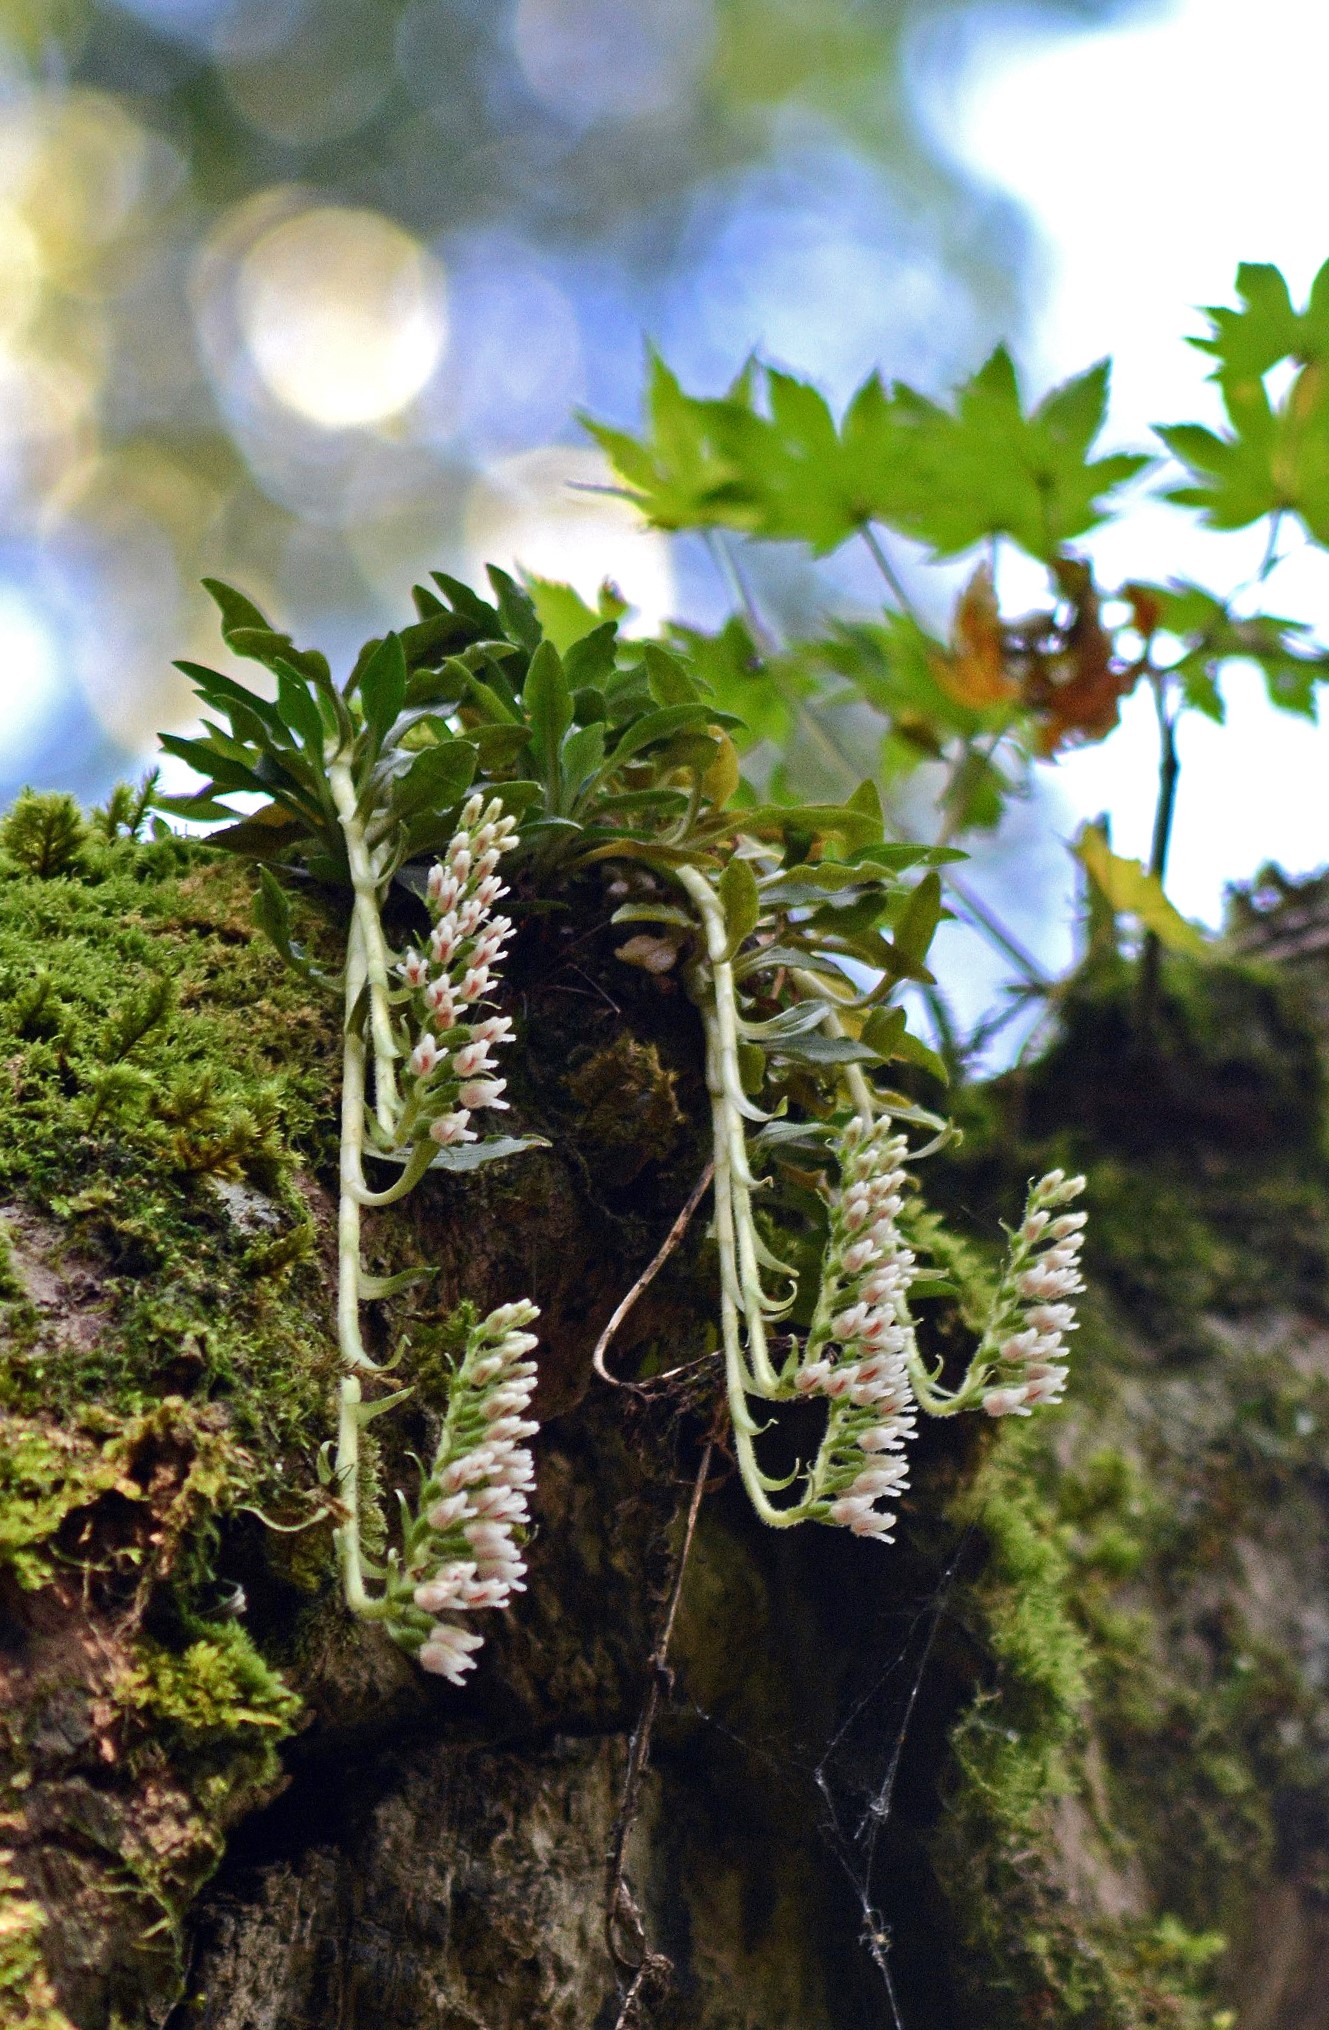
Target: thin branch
(1169,768)
(647,1277)
(888,570)
(982,919)
(728,566)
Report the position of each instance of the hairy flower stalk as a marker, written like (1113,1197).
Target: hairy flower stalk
(860,1356)
(425,1012)
(857,1351)
(1026,1338)
(461,1548)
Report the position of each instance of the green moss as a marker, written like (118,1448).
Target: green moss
(166,1090)
(45,1477)
(164,1051)
(43,833)
(218,1690)
(1034,1948)
(1137,1751)
(27,1999)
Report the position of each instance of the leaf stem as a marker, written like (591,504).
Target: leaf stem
(888,570)
(728,566)
(365,878)
(1169,768)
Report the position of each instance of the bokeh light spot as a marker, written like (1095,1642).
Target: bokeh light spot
(308,73)
(29,677)
(344,314)
(612,59)
(528,512)
(20,272)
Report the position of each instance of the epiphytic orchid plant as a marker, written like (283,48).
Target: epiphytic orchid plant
(466,740)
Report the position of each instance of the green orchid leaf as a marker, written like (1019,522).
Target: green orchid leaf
(741,901)
(516,609)
(497,1149)
(437,778)
(548,703)
(383,688)
(913,933)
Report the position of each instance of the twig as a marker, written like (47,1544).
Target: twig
(648,1276)
(728,566)
(1169,768)
(982,919)
(621,1910)
(888,570)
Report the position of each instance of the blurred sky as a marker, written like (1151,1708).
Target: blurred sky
(304,293)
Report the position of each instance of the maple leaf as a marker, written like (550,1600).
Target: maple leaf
(1274,458)
(1075,681)
(1128,887)
(687,470)
(975,671)
(989,469)
(1211,635)
(787,471)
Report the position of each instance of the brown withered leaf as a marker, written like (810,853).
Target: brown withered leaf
(1075,686)
(974,672)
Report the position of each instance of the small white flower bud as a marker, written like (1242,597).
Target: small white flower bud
(439,1001)
(494,1029)
(425,1056)
(1009,1402)
(446,1512)
(513,1427)
(1048,1387)
(484,1092)
(1068,1223)
(447,1653)
(450,1129)
(485,1593)
(436,1595)
(889,1476)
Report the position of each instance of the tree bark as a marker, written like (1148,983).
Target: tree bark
(1023,1766)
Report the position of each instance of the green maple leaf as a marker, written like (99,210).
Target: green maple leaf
(1291,662)
(989,469)
(686,471)
(1274,458)
(818,484)
(787,472)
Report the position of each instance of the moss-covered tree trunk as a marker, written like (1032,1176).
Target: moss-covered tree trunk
(1059,1756)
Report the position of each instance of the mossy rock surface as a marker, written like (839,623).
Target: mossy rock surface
(1107,1630)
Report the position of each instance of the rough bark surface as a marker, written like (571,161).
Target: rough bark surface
(1111,1805)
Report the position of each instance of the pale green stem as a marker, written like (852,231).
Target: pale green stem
(365,882)
(351,1175)
(351,1347)
(739,1381)
(741,1295)
(733,1178)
